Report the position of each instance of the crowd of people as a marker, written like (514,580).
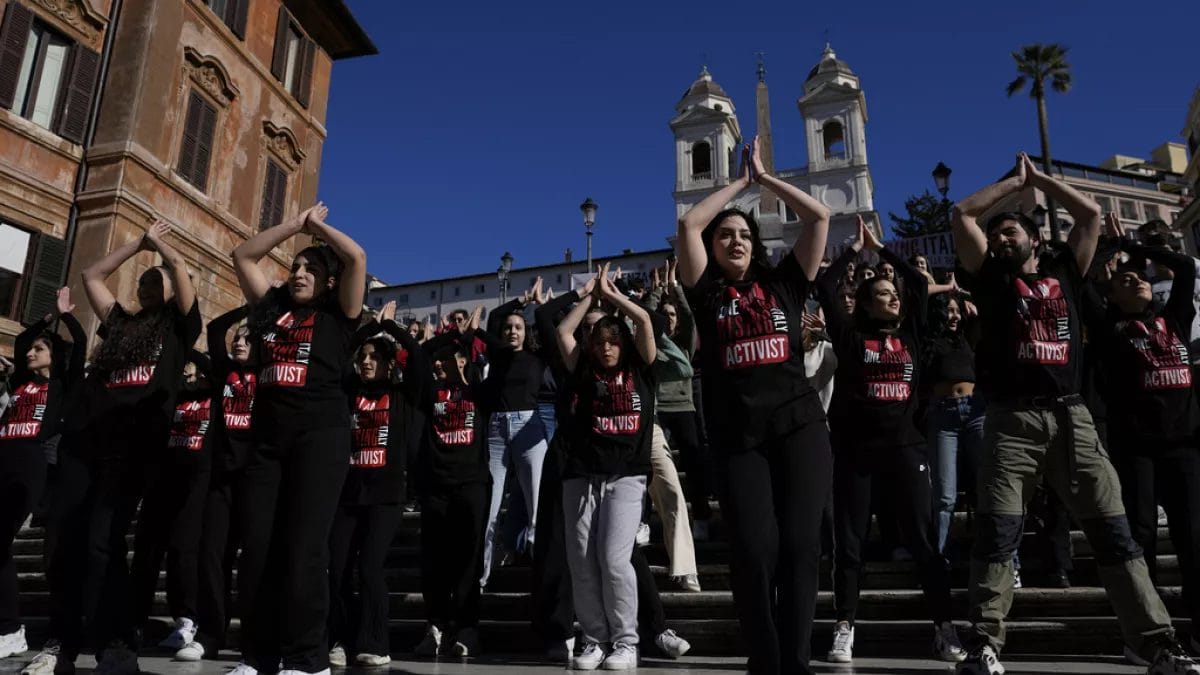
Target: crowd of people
(808,396)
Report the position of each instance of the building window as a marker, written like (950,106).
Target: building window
(378,301)
(197,146)
(702,160)
(232,13)
(1151,212)
(1129,209)
(834,136)
(292,63)
(789,214)
(480,288)
(1106,205)
(31,270)
(433,295)
(274,195)
(558,279)
(45,77)
(457,291)
(402,299)
(14,257)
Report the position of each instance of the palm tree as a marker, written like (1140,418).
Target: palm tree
(1037,63)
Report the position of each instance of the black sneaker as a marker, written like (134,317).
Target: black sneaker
(981,660)
(1171,659)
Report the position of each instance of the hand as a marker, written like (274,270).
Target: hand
(63,304)
(475,317)
(870,238)
(656,279)
(427,328)
(388,312)
(812,321)
(1113,226)
(605,287)
(969,308)
(313,216)
(6,367)
(588,288)
(756,161)
(616,275)
(672,273)
(747,166)
(1033,175)
(154,235)
(861,238)
(447,324)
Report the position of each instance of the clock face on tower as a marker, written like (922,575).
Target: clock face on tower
(838,195)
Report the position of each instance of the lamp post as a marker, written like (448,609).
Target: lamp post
(502,271)
(941,179)
(588,207)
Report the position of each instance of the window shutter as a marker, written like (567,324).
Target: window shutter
(204,143)
(274,193)
(18,21)
(235,17)
(304,80)
(72,123)
(45,278)
(279,60)
(191,135)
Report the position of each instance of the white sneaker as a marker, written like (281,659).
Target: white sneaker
(842,650)
(1132,657)
(1016,578)
(117,661)
(1162,517)
(372,660)
(946,646)
(192,651)
(243,668)
(689,582)
(302,672)
(13,643)
(185,632)
(431,644)
(43,664)
(643,535)
(337,656)
(981,661)
(590,658)
(700,530)
(561,651)
(466,643)
(1172,660)
(671,644)
(624,656)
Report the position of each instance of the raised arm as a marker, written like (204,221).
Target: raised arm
(644,337)
(1085,235)
(568,346)
(495,320)
(253,281)
(185,293)
(217,330)
(418,370)
(969,239)
(99,296)
(838,322)
(916,288)
(810,243)
(352,286)
(692,256)
(73,370)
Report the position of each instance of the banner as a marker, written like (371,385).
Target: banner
(938,249)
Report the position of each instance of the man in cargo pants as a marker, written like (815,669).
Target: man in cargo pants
(1029,364)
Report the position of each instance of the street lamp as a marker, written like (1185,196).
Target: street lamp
(588,207)
(941,179)
(502,271)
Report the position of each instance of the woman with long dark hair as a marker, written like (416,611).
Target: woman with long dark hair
(388,418)
(42,382)
(301,422)
(765,422)
(876,437)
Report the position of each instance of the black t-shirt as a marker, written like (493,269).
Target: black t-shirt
(304,358)
(457,444)
(612,423)
(144,392)
(878,374)
(1031,338)
(950,359)
(752,356)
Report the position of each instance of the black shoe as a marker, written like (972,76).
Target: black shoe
(1060,580)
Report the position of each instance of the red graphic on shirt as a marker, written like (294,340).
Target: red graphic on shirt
(190,424)
(237,400)
(454,416)
(887,369)
(23,417)
(752,329)
(1163,361)
(1043,323)
(135,376)
(288,349)
(616,405)
(369,431)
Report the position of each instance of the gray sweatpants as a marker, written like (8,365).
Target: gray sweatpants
(602,516)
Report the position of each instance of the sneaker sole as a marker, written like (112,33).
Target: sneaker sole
(836,658)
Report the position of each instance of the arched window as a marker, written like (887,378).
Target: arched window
(835,140)
(702,160)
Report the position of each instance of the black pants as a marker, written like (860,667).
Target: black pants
(220,538)
(684,432)
(907,470)
(553,604)
(22,478)
(771,501)
(169,525)
(65,552)
(453,521)
(359,543)
(1171,477)
(652,620)
(286,506)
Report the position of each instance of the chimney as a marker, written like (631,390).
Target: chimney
(567,256)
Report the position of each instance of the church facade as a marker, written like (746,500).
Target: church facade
(708,135)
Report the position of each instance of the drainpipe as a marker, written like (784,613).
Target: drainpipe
(81,173)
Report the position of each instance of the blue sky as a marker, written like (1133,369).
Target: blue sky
(480,127)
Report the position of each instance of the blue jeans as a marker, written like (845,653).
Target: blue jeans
(954,424)
(518,440)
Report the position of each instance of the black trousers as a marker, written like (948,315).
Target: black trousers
(220,538)
(652,620)
(553,604)
(359,543)
(1171,477)
(286,506)
(453,522)
(22,478)
(907,470)
(169,525)
(684,432)
(65,552)
(771,501)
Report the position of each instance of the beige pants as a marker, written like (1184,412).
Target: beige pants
(667,495)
